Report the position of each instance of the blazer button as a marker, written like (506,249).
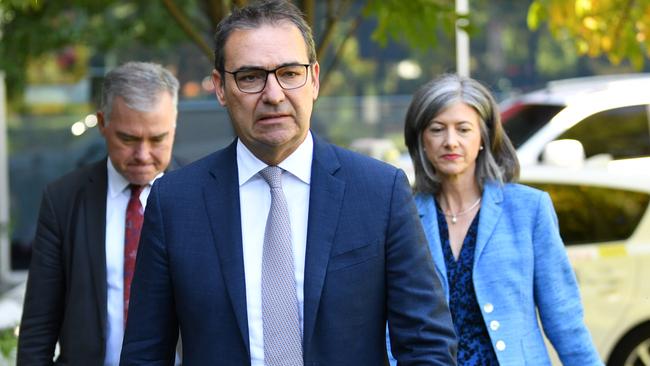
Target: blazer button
(501,345)
(488,307)
(494,325)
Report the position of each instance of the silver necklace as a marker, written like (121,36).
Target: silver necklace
(454,216)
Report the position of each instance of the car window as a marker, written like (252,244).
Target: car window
(590,214)
(620,132)
(521,121)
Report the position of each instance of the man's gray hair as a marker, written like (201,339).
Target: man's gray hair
(139,84)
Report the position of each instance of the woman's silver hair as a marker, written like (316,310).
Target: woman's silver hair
(255,15)
(139,84)
(496,162)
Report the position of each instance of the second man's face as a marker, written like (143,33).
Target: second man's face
(275,121)
(140,143)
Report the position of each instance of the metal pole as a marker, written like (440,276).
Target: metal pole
(5,255)
(462,39)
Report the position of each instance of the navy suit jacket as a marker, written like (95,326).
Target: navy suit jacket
(65,299)
(367,262)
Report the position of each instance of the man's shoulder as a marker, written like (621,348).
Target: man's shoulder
(78,177)
(193,172)
(358,164)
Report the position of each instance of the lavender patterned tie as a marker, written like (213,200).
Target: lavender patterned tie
(281,326)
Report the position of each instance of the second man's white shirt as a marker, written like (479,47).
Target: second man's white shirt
(117,198)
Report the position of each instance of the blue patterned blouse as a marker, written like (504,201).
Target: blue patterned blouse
(474,345)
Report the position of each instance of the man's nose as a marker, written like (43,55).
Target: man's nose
(142,151)
(273,93)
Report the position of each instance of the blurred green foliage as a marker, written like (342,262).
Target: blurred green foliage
(8,342)
(619,29)
(412,22)
(32,29)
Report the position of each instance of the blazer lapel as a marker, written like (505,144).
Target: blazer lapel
(325,200)
(489,216)
(93,209)
(429,218)
(221,197)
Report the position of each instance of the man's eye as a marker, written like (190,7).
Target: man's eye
(289,74)
(249,77)
(127,138)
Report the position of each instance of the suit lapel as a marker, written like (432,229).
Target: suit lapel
(221,198)
(325,200)
(93,209)
(489,216)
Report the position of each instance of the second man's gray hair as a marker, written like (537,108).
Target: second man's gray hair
(139,84)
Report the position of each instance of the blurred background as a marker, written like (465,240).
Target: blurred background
(373,56)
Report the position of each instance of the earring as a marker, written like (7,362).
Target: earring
(480,147)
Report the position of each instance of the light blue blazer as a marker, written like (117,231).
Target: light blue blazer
(520,268)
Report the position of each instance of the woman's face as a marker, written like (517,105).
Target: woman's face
(452,141)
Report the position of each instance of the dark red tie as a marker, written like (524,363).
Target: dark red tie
(132,227)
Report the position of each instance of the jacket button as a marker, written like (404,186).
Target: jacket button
(494,325)
(488,307)
(501,345)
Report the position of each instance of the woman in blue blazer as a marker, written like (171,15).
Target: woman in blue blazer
(495,244)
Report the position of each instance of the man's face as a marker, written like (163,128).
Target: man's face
(140,143)
(275,121)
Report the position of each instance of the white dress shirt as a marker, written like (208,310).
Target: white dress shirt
(255,202)
(117,198)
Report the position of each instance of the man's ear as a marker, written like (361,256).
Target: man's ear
(101,122)
(219,90)
(315,71)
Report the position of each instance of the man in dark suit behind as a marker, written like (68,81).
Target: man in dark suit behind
(77,289)
(282,249)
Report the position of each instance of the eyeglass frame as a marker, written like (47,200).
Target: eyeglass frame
(266,78)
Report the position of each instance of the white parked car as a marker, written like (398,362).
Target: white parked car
(605,224)
(592,119)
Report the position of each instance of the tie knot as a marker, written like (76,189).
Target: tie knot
(272,175)
(135,190)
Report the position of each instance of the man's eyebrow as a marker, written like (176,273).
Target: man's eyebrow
(159,136)
(257,67)
(125,135)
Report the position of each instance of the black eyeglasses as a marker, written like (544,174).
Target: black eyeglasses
(253,81)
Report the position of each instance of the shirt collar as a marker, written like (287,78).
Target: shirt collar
(117,183)
(298,163)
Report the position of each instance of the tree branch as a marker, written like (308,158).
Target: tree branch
(332,18)
(309,9)
(215,9)
(186,26)
(353,28)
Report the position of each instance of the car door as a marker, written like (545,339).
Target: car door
(595,223)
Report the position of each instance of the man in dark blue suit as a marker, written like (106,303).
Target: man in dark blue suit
(282,249)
